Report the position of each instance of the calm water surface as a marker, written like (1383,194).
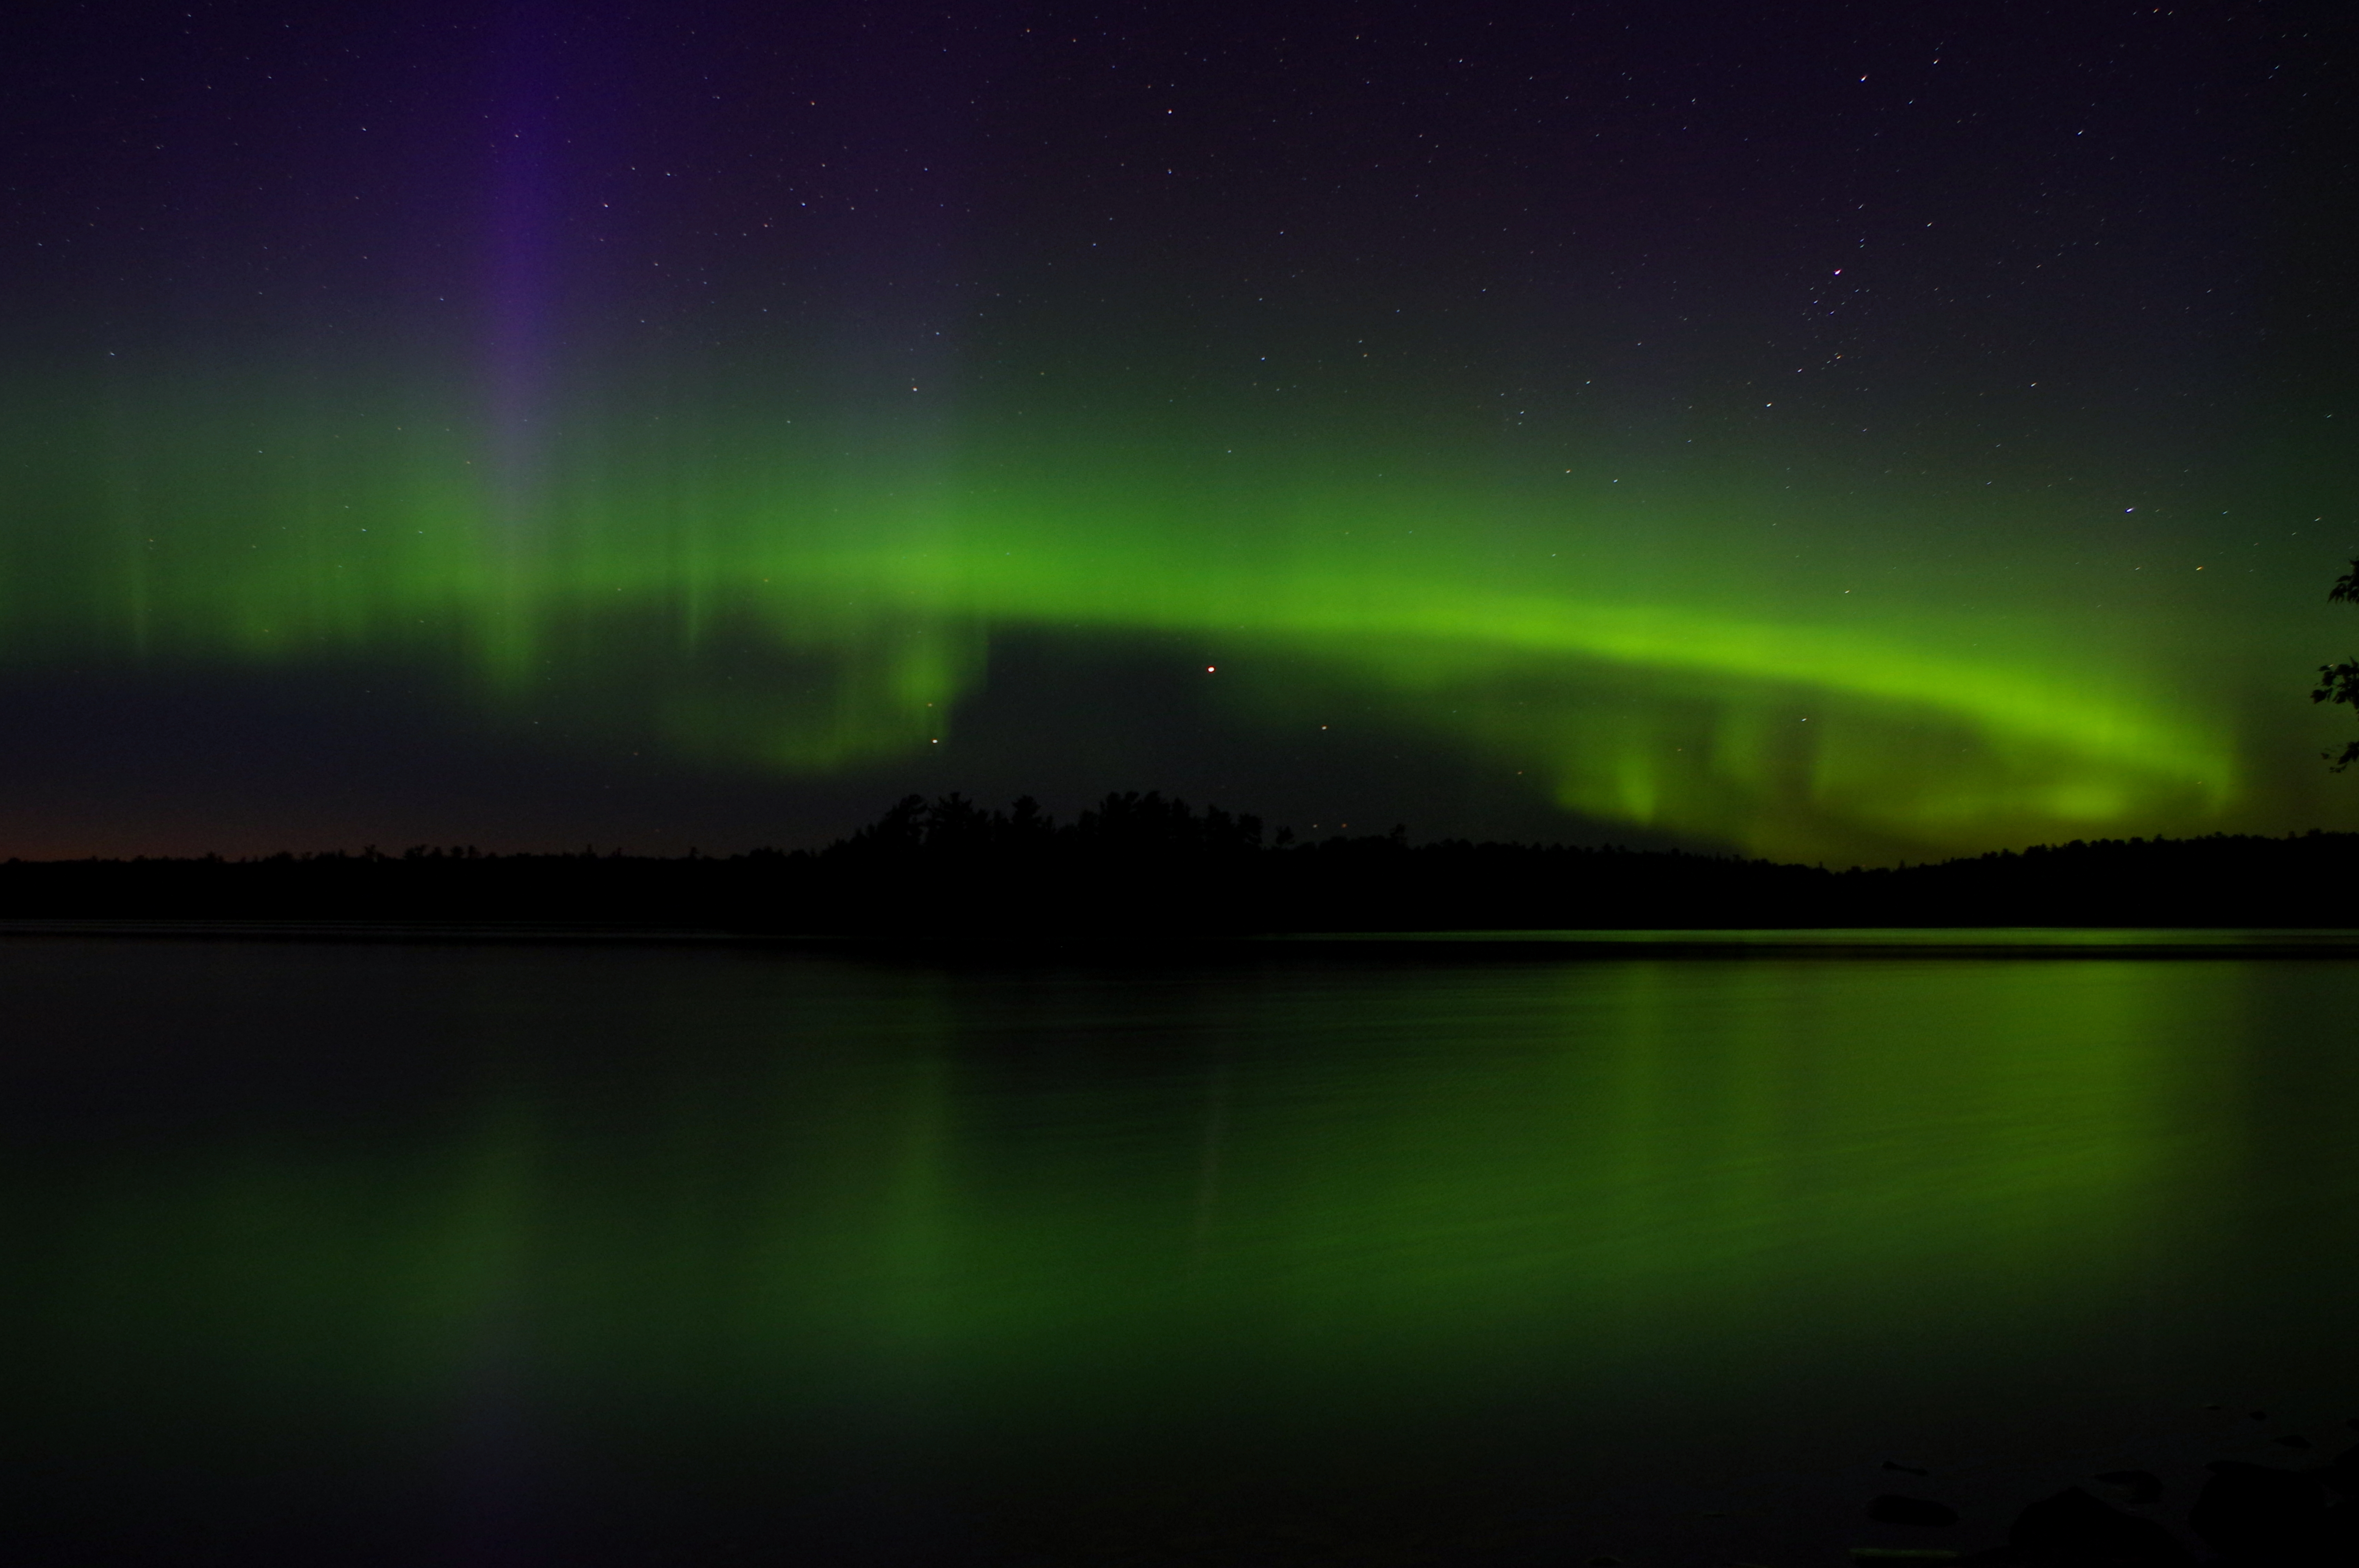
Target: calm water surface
(450,1254)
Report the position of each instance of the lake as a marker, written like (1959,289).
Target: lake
(562,1253)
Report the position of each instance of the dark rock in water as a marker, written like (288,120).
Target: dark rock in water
(2143,1486)
(2076,1528)
(2341,1471)
(2256,1513)
(1890,1509)
(2292,1440)
(1905,1469)
(2260,1415)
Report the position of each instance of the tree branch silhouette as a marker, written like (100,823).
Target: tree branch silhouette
(2340,683)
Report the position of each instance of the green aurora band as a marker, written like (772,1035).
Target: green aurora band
(1783,665)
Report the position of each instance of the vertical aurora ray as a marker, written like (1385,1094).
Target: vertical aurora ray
(517,359)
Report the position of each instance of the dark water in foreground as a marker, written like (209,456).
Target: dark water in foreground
(428,1254)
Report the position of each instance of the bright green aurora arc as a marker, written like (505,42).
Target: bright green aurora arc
(1640,648)
(1801,552)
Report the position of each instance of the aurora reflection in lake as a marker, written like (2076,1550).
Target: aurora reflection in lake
(564,1254)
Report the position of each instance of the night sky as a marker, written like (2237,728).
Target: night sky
(1848,432)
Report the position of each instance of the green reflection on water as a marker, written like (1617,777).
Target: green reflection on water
(1179,1192)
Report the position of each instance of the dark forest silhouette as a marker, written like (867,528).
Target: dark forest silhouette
(1140,865)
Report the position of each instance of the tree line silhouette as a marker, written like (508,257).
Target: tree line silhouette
(1140,865)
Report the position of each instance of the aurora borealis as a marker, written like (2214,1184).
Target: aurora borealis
(1809,434)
